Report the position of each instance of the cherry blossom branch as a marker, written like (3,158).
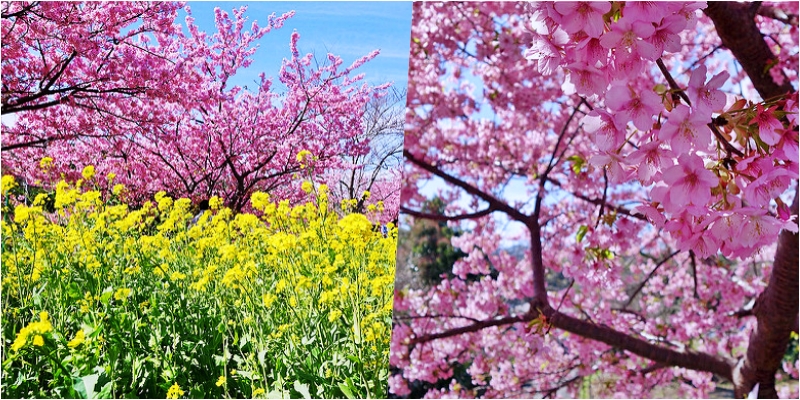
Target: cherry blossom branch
(777,14)
(552,391)
(34,143)
(553,159)
(494,202)
(686,359)
(729,148)
(412,317)
(439,217)
(652,368)
(694,273)
(650,275)
(599,202)
(473,328)
(671,81)
(603,200)
(565,294)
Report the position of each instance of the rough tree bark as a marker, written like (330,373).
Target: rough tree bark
(777,307)
(736,27)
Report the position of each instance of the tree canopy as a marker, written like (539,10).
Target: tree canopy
(645,151)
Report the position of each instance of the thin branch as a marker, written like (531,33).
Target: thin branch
(603,200)
(565,295)
(686,359)
(474,328)
(729,148)
(410,317)
(650,275)
(494,202)
(694,273)
(777,14)
(440,217)
(599,202)
(652,368)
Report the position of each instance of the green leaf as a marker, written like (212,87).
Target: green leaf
(305,341)
(107,293)
(346,389)
(581,233)
(302,388)
(577,163)
(262,357)
(74,291)
(105,391)
(85,386)
(357,330)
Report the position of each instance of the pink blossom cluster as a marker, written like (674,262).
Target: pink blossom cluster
(694,184)
(658,203)
(154,105)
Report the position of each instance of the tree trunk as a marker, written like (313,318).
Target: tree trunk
(776,308)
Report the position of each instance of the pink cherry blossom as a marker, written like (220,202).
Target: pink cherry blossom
(607,134)
(650,159)
(583,16)
(686,130)
(631,34)
(689,181)
(706,97)
(665,37)
(768,186)
(546,50)
(768,125)
(631,105)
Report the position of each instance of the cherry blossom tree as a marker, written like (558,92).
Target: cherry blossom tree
(646,152)
(103,58)
(168,117)
(378,171)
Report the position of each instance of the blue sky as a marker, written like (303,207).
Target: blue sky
(347,29)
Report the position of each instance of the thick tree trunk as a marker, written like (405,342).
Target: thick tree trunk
(776,309)
(776,313)
(735,24)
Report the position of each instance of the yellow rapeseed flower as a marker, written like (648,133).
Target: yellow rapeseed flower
(77,340)
(88,172)
(307,186)
(334,315)
(122,294)
(259,200)
(8,183)
(221,380)
(214,203)
(176,276)
(174,391)
(118,188)
(35,329)
(303,155)
(21,213)
(46,162)
(268,299)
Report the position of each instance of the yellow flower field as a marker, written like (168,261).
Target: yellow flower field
(99,299)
